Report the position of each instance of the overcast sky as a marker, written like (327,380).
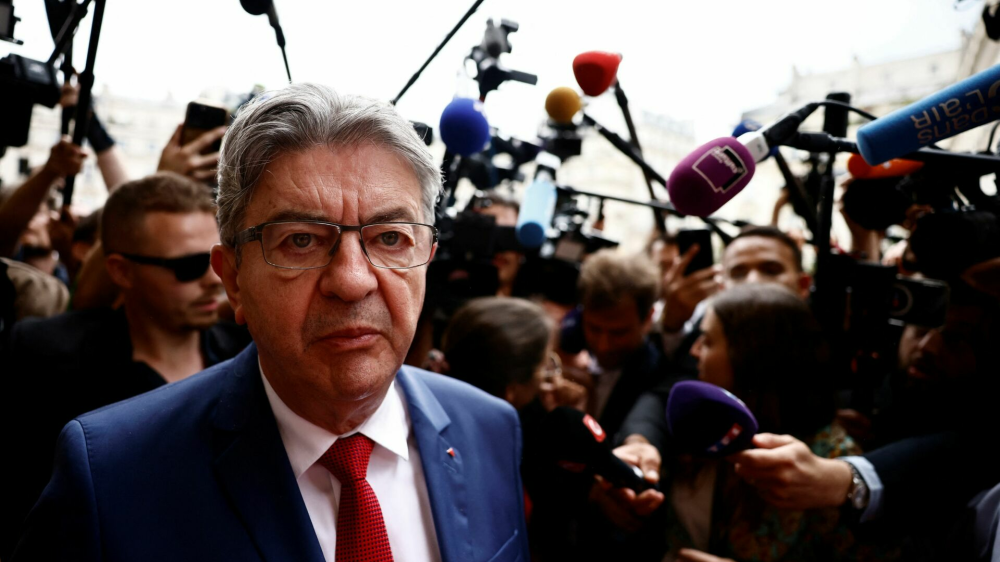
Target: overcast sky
(701,61)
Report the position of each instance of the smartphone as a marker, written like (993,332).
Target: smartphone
(203,117)
(703,237)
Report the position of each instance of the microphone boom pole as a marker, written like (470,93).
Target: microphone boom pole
(454,30)
(82,118)
(658,217)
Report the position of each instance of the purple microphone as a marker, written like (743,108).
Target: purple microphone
(709,421)
(710,176)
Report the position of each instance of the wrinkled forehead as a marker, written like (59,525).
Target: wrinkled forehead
(349,185)
(757,249)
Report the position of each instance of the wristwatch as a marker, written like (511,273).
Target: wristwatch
(857,494)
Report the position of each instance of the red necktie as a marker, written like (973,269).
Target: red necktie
(361,535)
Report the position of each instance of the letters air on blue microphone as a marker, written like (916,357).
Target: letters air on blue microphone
(956,109)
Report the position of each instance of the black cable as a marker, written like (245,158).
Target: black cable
(848,107)
(447,38)
(993,131)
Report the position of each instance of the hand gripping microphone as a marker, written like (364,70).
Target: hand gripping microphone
(579,444)
(708,420)
(958,108)
(596,71)
(464,129)
(539,204)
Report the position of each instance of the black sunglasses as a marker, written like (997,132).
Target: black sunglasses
(185,268)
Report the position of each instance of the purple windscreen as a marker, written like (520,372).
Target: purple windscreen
(710,176)
(707,420)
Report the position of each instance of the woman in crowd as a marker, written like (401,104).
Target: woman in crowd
(503,346)
(761,343)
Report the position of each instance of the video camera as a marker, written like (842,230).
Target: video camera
(486,58)
(23,83)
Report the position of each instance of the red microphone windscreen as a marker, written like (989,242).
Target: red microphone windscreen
(894,168)
(595,71)
(710,176)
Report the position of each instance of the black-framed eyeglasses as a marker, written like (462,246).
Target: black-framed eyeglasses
(311,244)
(185,268)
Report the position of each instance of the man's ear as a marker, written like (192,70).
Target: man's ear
(120,270)
(224,265)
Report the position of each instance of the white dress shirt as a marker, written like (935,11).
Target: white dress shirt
(394,473)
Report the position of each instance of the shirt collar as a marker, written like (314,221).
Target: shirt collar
(305,442)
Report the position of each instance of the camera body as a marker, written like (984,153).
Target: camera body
(23,83)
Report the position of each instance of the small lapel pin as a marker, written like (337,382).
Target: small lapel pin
(451,452)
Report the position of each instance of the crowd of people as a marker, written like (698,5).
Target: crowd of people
(151,353)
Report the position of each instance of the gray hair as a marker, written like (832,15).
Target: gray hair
(299,117)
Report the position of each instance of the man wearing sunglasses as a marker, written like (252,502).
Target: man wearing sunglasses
(157,232)
(315,443)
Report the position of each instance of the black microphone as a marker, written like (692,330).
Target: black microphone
(578,444)
(259,7)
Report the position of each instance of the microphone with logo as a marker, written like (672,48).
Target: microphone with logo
(956,109)
(709,421)
(577,443)
(715,172)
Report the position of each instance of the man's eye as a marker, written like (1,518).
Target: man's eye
(301,239)
(389,238)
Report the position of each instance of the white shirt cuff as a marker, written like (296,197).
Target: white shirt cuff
(874,483)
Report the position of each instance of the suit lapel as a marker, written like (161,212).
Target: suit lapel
(443,470)
(253,469)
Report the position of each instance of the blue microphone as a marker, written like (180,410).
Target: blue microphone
(748,126)
(539,203)
(464,129)
(956,109)
(536,211)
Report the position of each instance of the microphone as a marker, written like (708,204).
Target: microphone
(709,177)
(708,420)
(958,108)
(596,71)
(716,171)
(579,444)
(894,168)
(539,204)
(748,126)
(259,7)
(562,104)
(464,129)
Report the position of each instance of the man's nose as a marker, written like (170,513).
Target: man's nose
(349,276)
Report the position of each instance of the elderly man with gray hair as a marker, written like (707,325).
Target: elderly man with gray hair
(315,443)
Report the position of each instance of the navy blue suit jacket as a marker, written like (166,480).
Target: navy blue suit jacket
(197,471)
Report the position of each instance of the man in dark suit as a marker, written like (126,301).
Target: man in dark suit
(313,444)
(617,293)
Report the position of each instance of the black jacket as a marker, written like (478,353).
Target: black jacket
(57,369)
